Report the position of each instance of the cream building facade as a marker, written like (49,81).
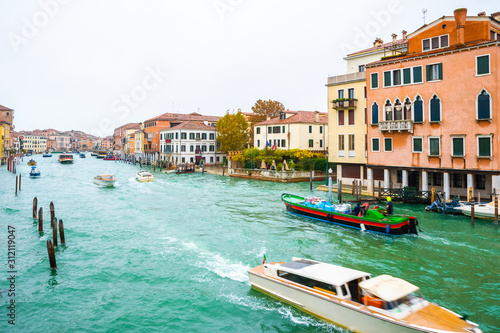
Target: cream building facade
(35,143)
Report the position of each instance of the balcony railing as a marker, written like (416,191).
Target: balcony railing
(148,139)
(350,103)
(396,125)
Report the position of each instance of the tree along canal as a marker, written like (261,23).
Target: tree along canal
(172,255)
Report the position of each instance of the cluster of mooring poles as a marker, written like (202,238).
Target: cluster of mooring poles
(12,162)
(51,244)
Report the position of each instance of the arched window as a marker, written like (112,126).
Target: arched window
(388,110)
(374,113)
(483,105)
(418,110)
(435,109)
(398,110)
(407,109)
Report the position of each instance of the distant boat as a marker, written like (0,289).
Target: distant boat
(34,172)
(47,155)
(32,162)
(102,154)
(94,153)
(144,176)
(105,180)
(111,157)
(65,159)
(484,211)
(169,171)
(82,155)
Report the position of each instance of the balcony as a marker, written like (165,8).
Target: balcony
(396,125)
(148,139)
(344,104)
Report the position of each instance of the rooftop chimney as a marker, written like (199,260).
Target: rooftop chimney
(481,14)
(378,42)
(316,116)
(460,18)
(404,34)
(496,16)
(394,38)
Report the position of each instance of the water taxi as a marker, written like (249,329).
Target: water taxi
(31,162)
(34,172)
(144,176)
(373,220)
(102,154)
(47,155)
(355,300)
(82,155)
(65,159)
(111,157)
(94,153)
(105,180)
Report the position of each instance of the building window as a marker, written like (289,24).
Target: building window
(437,178)
(361,68)
(183,148)
(212,148)
(435,109)
(483,65)
(387,79)
(203,136)
(374,113)
(283,143)
(350,93)
(183,136)
(311,129)
(257,130)
(457,180)
(484,146)
(417,74)
(340,93)
(406,75)
(418,110)
(340,120)
(258,143)
(433,43)
(434,72)
(457,146)
(212,136)
(374,80)
(480,182)
(434,146)
(321,130)
(321,143)
(350,117)
(282,129)
(483,105)
(417,144)
(311,143)
(276,130)
(364,92)
(388,110)
(396,77)
(365,116)
(341,142)
(351,142)
(191,148)
(269,130)
(388,144)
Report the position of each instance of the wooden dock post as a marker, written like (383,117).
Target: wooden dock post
(52,254)
(379,190)
(40,220)
(496,210)
(353,190)
(61,232)
(472,213)
(19,182)
(52,212)
(35,203)
(16,184)
(311,180)
(432,195)
(478,197)
(339,189)
(53,223)
(54,232)
(470,194)
(359,190)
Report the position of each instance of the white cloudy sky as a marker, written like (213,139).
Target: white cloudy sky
(87,64)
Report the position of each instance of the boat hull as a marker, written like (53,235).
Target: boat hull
(105,183)
(145,180)
(66,162)
(343,313)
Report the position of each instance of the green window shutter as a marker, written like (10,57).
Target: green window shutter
(483,106)
(374,80)
(458,147)
(407,76)
(375,114)
(387,79)
(434,147)
(376,145)
(387,144)
(483,65)
(417,74)
(440,71)
(484,146)
(428,72)
(435,109)
(418,111)
(417,145)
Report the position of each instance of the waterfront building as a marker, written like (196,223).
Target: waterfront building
(293,129)
(35,143)
(190,142)
(59,142)
(347,112)
(139,143)
(6,130)
(153,126)
(121,137)
(131,142)
(433,112)
(107,143)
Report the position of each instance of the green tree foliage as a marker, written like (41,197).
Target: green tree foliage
(232,132)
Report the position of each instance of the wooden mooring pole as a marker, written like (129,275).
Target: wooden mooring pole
(472,213)
(40,220)
(52,211)
(16,184)
(359,190)
(61,232)
(54,232)
(52,254)
(339,189)
(310,180)
(496,210)
(35,203)
(353,190)
(379,190)
(19,182)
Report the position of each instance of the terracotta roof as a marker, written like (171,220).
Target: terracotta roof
(184,117)
(301,117)
(379,47)
(4,108)
(427,53)
(189,125)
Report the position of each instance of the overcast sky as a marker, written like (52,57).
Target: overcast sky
(95,65)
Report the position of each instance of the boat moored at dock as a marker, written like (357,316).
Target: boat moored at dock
(481,210)
(145,176)
(373,220)
(65,159)
(355,300)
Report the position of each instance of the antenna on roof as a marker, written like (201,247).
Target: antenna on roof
(423,12)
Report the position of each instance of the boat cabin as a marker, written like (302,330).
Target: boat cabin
(331,279)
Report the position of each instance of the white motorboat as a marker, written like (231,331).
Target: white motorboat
(170,171)
(105,180)
(145,176)
(352,299)
(485,211)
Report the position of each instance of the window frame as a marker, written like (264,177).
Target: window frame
(385,145)
(390,79)
(439,41)
(413,110)
(440,109)
(477,106)
(489,64)
(349,112)
(439,72)
(371,114)
(413,138)
(338,118)
(453,137)
(341,145)
(372,81)
(433,137)
(483,136)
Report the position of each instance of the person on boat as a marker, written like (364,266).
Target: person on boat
(390,207)
(357,209)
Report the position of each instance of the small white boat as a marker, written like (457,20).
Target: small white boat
(145,176)
(34,172)
(170,171)
(105,180)
(354,300)
(485,211)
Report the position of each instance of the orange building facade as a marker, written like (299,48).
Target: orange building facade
(434,112)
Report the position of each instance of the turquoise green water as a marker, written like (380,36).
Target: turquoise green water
(172,255)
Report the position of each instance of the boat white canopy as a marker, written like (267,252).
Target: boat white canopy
(327,273)
(388,288)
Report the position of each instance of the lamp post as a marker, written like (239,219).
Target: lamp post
(330,185)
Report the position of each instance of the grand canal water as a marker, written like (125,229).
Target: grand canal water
(173,255)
